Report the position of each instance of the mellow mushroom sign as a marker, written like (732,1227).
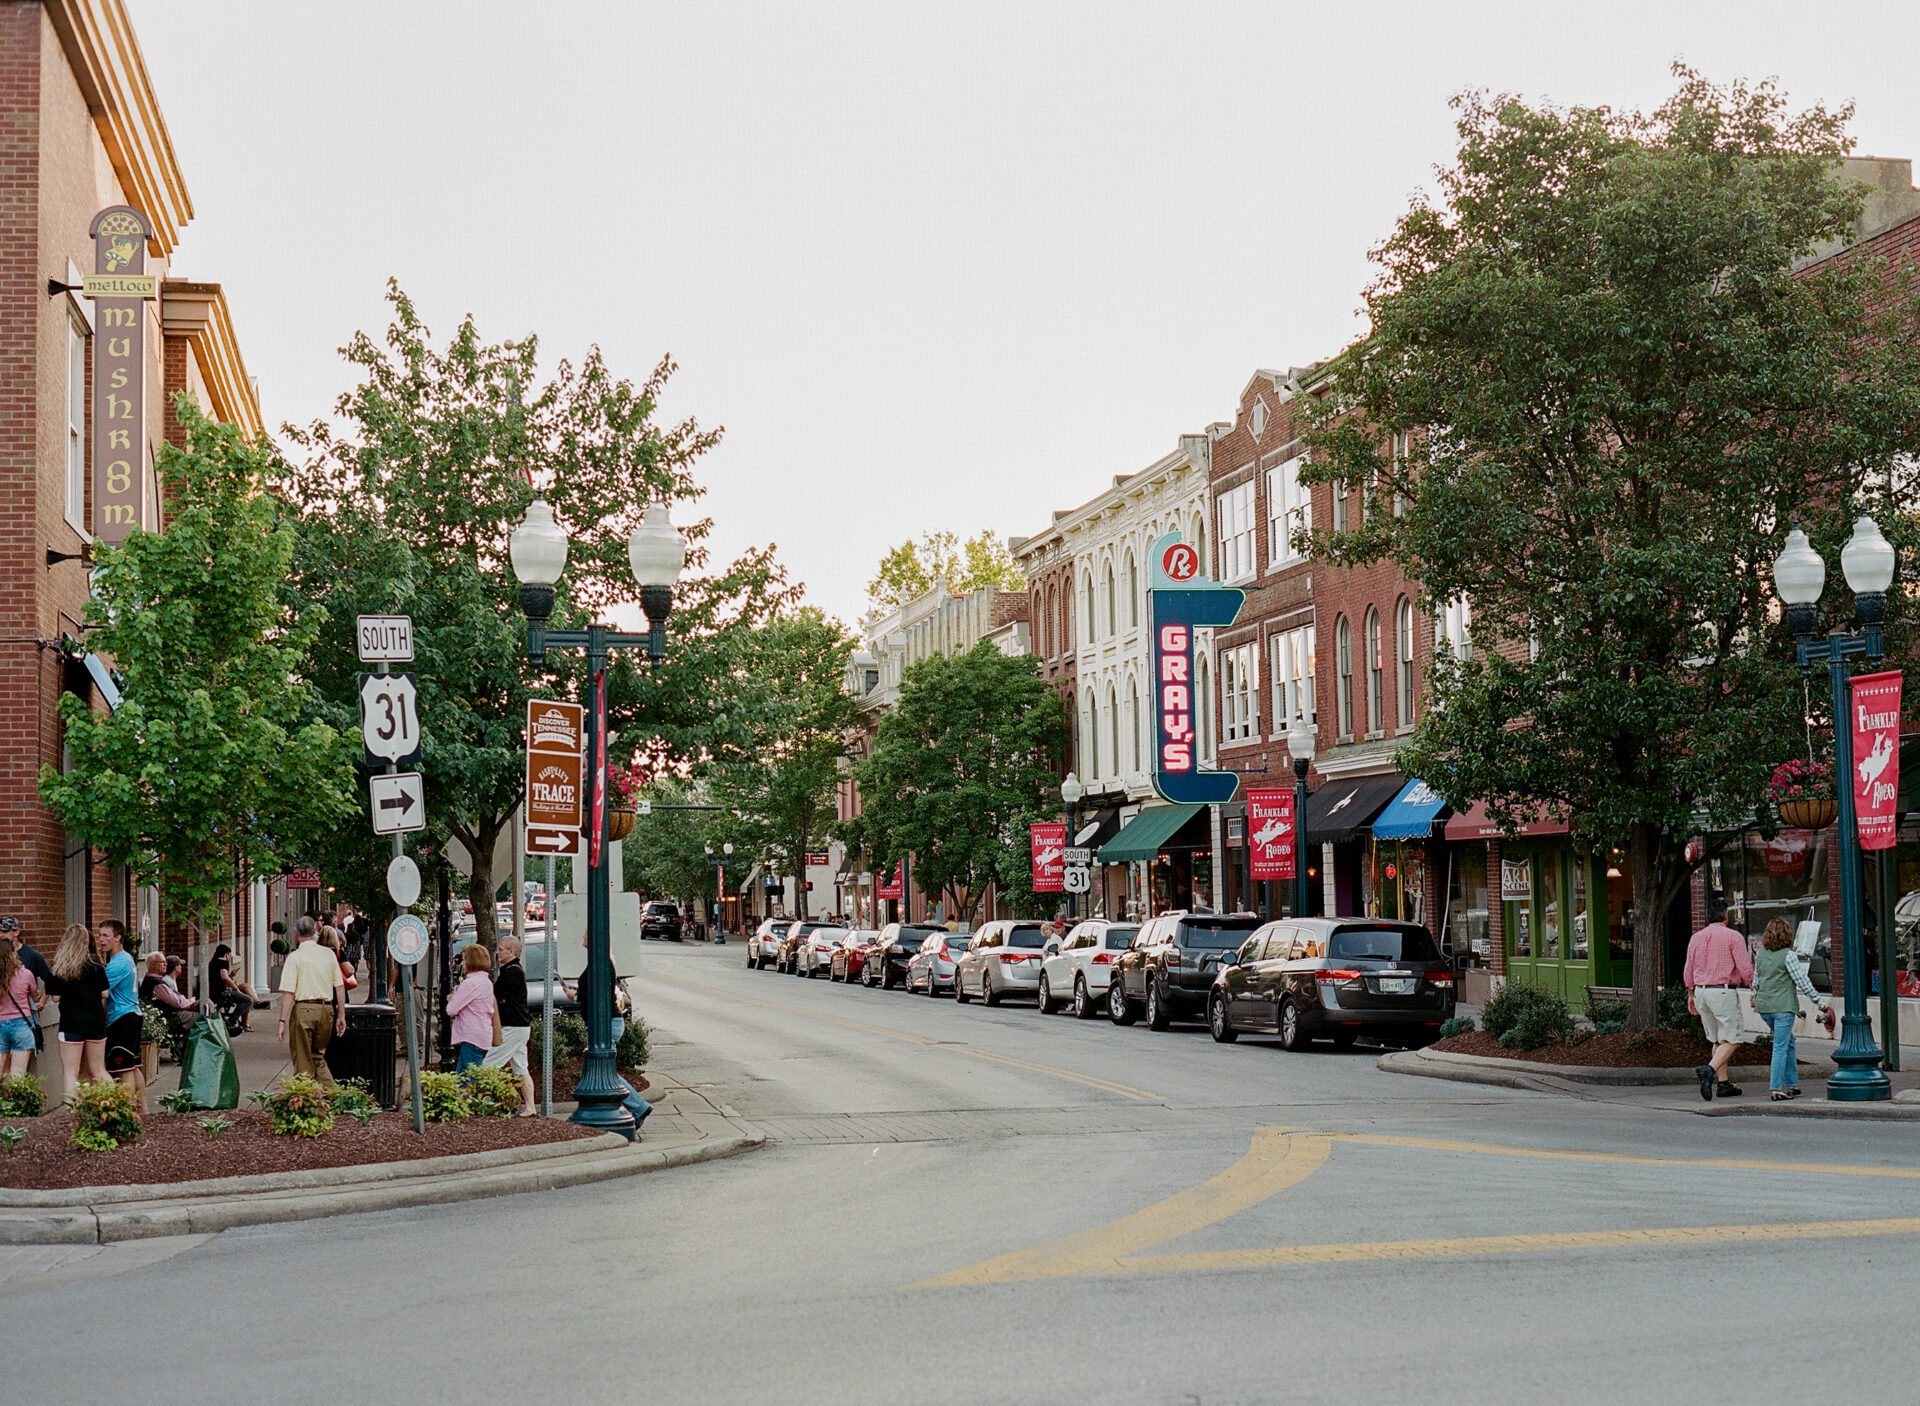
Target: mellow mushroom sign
(1180,602)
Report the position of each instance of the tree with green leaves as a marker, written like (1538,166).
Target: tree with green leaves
(1614,394)
(912,568)
(405,504)
(212,765)
(958,770)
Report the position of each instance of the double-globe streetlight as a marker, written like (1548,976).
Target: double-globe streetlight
(1799,575)
(1071,791)
(657,553)
(1301,740)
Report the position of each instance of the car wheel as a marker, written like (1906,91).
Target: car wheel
(1083,1006)
(749,961)
(1291,1037)
(1118,1011)
(1046,995)
(1158,1016)
(1218,1021)
(960,989)
(987,993)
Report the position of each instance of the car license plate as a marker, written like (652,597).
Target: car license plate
(1396,985)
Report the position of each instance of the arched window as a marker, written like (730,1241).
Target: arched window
(1093,734)
(1455,627)
(1203,706)
(1113,727)
(1199,535)
(1375,703)
(1086,606)
(1403,660)
(1343,674)
(1133,591)
(1113,615)
(1065,641)
(1133,724)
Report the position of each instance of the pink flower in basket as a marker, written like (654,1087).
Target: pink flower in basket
(628,784)
(1801,780)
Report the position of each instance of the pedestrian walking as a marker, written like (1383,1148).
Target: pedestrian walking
(312,1002)
(473,1010)
(21,996)
(516,1022)
(1718,969)
(78,981)
(337,944)
(1779,981)
(124,1025)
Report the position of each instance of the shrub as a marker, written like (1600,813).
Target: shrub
(635,1045)
(179,1101)
(351,1098)
(1608,1013)
(300,1107)
(1609,1027)
(569,1037)
(1671,1013)
(277,926)
(11,1138)
(1458,1025)
(215,1124)
(280,947)
(442,1099)
(154,1029)
(1531,1015)
(491,1093)
(104,1115)
(22,1096)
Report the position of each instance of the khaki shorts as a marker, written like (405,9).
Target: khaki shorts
(511,1052)
(1719,1009)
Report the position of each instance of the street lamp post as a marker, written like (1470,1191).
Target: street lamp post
(656,552)
(1799,574)
(1070,792)
(1301,738)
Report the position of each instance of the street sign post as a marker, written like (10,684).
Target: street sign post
(403,881)
(384,639)
(407,939)
(555,773)
(399,803)
(390,718)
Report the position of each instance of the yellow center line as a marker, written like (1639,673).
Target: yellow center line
(905,1037)
(1628,1159)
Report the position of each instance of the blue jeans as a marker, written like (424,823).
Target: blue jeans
(1786,1066)
(15,1035)
(467,1057)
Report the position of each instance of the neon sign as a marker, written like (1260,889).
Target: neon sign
(1181,601)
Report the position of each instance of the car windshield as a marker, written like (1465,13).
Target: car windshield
(1382,945)
(911,938)
(1118,938)
(663,910)
(1026,935)
(1214,934)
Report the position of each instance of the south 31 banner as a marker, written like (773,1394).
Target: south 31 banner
(1181,601)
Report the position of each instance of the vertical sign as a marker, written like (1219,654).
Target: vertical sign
(1271,836)
(1048,840)
(1180,600)
(1516,880)
(120,234)
(555,794)
(1875,719)
(894,887)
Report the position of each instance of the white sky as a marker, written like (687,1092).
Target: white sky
(931,265)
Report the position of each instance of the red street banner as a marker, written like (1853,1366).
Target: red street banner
(895,887)
(1049,841)
(1270,833)
(1875,718)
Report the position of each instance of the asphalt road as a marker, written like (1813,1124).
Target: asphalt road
(986,1205)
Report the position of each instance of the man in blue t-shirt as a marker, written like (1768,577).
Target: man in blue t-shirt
(123,1009)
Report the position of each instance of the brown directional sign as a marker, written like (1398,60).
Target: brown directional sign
(555,794)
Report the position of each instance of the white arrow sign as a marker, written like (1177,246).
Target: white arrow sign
(399,803)
(553,841)
(390,717)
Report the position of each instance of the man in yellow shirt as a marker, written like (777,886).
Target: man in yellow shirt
(313,1003)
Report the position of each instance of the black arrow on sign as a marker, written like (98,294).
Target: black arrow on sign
(402,803)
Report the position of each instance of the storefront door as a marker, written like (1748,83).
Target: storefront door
(1556,934)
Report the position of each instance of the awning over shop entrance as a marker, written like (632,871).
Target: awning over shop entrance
(1476,824)
(1142,836)
(1411,815)
(102,680)
(1341,810)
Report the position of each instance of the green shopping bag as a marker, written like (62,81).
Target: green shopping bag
(209,1071)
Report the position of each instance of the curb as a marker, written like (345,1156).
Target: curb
(230,1206)
(1518,1074)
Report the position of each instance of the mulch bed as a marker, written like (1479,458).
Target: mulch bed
(172,1147)
(1628,1049)
(566,1073)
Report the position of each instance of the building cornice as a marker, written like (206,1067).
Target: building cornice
(106,61)
(198,312)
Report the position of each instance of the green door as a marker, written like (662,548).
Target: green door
(1553,933)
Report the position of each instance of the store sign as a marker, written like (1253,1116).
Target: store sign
(1273,837)
(894,887)
(1516,880)
(1048,842)
(120,234)
(1180,602)
(1874,714)
(303,878)
(818,858)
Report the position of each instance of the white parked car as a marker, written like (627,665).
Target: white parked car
(763,948)
(1075,969)
(1003,960)
(813,953)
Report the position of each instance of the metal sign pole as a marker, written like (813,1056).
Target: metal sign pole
(413,1045)
(546,1002)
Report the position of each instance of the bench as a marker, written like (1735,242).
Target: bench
(1621,994)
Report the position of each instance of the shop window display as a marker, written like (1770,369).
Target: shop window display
(1468,940)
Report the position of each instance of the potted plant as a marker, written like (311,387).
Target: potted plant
(1802,791)
(627,784)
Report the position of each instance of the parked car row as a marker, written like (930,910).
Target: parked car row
(1302,979)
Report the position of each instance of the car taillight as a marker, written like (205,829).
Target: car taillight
(1338,974)
(1015,956)
(1440,978)
(1105,959)
(1174,959)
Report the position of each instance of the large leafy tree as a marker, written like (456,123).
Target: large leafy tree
(213,762)
(406,502)
(912,568)
(1617,395)
(957,771)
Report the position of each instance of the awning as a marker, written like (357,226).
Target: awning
(1411,814)
(103,680)
(1340,810)
(1094,828)
(1476,824)
(1142,836)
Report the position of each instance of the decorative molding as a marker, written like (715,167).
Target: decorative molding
(198,313)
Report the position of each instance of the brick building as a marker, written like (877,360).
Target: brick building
(84,133)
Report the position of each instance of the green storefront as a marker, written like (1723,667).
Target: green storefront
(1569,918)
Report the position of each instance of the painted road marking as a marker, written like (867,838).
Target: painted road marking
(1280,1158)
(906,1037)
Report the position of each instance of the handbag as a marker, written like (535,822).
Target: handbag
(499,1035)
(40,1038)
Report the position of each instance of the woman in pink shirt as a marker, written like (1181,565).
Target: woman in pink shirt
(471,1006)
(21,996)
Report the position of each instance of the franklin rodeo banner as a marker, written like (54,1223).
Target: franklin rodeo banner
(1180,600)
(1875,706)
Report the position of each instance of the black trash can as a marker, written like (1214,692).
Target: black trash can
(366,1051)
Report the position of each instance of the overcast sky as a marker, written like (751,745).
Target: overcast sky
(930,265)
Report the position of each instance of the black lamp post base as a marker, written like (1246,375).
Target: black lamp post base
(1858,1077)
(606,1113)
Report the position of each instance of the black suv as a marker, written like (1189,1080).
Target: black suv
(886,965)
(660,919)
(1170,968)
(1335,979)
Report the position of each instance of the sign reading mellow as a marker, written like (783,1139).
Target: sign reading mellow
(1181,601)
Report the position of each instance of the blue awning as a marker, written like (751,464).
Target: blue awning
(1412,814)
(103,680)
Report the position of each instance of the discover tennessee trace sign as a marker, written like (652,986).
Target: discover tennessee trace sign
(554,772)
(1180,601)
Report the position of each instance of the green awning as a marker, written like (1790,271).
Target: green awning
(1142,836)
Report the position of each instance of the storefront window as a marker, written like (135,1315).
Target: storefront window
(1466,935)
(1785,876)
(1619,913)
(1547,874)
(1578,917)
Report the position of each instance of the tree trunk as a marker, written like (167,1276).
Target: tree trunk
(800,880)
(481,883)
(1649,926)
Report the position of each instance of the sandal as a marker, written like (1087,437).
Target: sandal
(1779,1095)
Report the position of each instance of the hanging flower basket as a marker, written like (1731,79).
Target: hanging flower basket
(619,824)
(1811,813)
(1802,791)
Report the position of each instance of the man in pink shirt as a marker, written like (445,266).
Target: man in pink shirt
(1719,968)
